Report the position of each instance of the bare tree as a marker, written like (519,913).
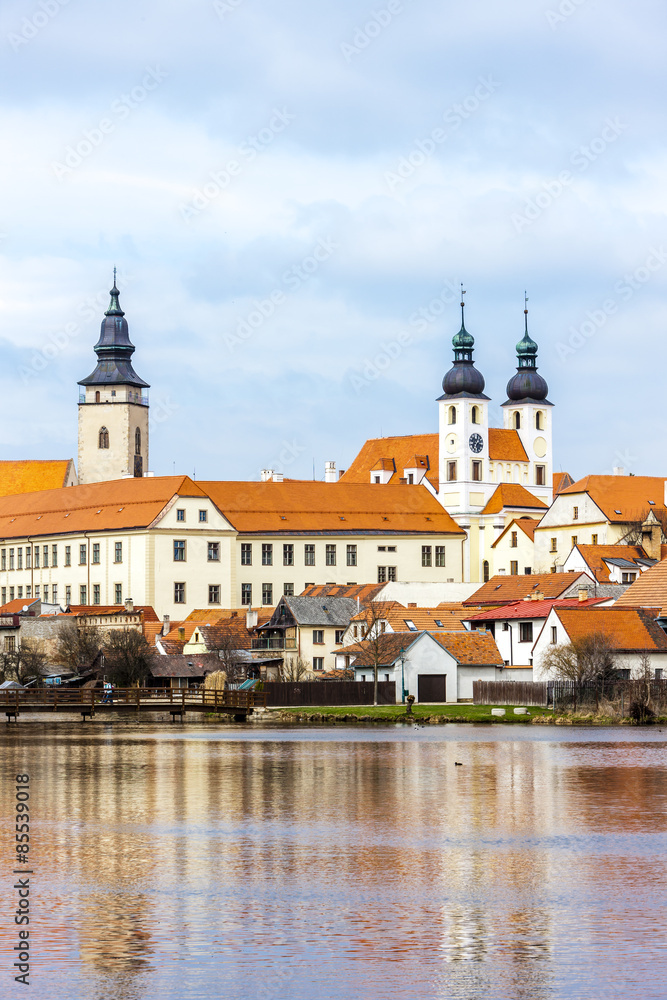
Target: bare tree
(374,628)
(586,659)
(223,639)
(294,668)
(78,645)
(23,663)
(128,657)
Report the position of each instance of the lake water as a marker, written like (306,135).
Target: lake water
(353,864)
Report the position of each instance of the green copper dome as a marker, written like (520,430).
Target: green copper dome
(526,346)
(463,338)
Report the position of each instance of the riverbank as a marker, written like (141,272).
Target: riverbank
(438,715)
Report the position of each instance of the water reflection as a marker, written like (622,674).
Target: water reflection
(343,864)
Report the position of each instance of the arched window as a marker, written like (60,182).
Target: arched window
(452,414)
(137,442)
(97,396)
(538,421)
(486,571)
(517,421)
(474,415)
(104,438)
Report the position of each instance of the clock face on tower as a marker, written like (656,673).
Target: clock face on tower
(476,443)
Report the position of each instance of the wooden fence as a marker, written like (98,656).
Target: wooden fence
(291,693)
(569,694)
(510,693)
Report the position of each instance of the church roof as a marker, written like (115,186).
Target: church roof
(27,476)
(512,495)
(505,445)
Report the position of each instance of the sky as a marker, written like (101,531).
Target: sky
(292,194)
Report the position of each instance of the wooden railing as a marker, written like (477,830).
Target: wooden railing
(57,696)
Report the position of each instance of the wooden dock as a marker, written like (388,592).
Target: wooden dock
(90,702)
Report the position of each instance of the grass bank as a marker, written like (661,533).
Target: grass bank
(396,713)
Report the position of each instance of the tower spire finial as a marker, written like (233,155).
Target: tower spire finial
(114,277)
(525,310)
(462,307)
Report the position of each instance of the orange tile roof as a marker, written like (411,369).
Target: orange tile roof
(107,506)
(31,475)
(505,445)
(364,591)
(561,480)
(527,525)
(16,606)
(512,495)
(389,647)
(311,507)
(649,589)
(508,589)
(95,610)
(629,495)
(629,629)
(151,631)
(594,556)
(395,453)
(426,619)
(477,648)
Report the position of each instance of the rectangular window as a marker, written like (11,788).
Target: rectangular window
(246,554)
(246,593)
(203,516)
(628,577)
(525,631)
(46,557)
(392,576)
(96,593)
(331,555)
(19,558)
(288,589)
(309,555)
(352,555)
(318,663)
(594,540)
(318,636)
(267,593)
(28,557)
(82,556)
(118,593)
(11,558)
(514,541)
(19,592)
(554,545)
(340,632)
(10,643)
(68,555)
(96,553)
(554,635)
(179,593)
(440,555)
(3,559)
(267,554)
(427,555)
(68,595)
(451,472)
(28,591)
(118,552)
(83,594)
(288,555)
(180,514)
(476,471)
(540,475)
(11,593)
(36,556)
(54,593)
(54,555)
(46,591)
(514,568)
(575,513)
(527,570)
(214,551)
(213,593)
(574,540)
(179,551)
(382,574)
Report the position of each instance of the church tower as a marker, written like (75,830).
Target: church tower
(528,411)
(113,406)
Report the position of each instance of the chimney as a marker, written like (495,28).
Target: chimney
(403,481)
(165,624)
(278,477)
(129,605)
(582,594)
(250,618)
(341,473)
(412,605)
(652,537)
(266,475)
(329,472)
(619,470)
(181,631)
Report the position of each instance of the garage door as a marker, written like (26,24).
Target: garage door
(432,687)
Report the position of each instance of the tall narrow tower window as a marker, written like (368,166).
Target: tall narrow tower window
(538,421)
(137,442)
(452,414)
(104,438)
(517,421)
(97,396)
(475,415)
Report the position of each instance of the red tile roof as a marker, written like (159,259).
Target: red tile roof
(512,495)
(508,589)
(395,454)
(30,475)
(476,648)
(594,556)
(531,609)
(629,495)
(16,606)
(649,589)
(526,524)
(629,629)
(561,480)
(365,591)
(505,445)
